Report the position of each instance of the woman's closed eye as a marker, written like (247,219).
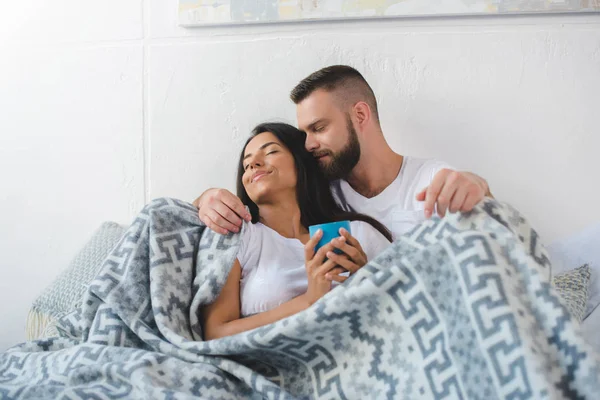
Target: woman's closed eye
(269,153)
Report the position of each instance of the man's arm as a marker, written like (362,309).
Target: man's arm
(221,210)
(453,191)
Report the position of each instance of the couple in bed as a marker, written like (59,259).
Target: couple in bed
(337,166)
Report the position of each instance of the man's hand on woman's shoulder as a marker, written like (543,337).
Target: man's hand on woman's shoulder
(221,210)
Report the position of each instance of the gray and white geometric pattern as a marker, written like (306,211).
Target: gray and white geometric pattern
(459,308)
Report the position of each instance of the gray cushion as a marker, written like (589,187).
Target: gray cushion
(66,292)
(572,286)
(578,249)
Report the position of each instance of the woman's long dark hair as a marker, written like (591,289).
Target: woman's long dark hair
(315,200)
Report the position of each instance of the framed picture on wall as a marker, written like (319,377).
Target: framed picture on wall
(227,12)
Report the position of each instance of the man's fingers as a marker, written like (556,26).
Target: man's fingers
(447,192)
(474,196)
(456,204)
(222,222)
(236,206)
(215,210)
(213,226)
(231,218)
(433,191)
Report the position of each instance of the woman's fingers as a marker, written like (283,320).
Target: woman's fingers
(351,240)
(351,251)
(343,261)
(337,278)
(350,246)
(336,271)
(325,268)
(309,247)
(319,257)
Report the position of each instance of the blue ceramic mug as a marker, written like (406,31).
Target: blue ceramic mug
(330,230)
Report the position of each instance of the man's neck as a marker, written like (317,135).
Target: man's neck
(283,218)
(375,171)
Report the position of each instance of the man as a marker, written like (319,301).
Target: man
(337,109)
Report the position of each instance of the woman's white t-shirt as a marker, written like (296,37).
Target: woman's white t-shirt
(273,268)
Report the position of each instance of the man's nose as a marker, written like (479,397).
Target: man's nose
(311,144)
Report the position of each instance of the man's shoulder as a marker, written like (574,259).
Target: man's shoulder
(419,166)
(421,170)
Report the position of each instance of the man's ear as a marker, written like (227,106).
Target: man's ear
(362,113)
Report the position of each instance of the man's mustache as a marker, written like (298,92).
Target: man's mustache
(321,153)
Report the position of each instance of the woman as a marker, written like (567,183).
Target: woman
(277,272)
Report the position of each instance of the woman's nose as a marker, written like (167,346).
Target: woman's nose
(255,164)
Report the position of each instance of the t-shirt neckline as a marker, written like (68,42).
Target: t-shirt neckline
(295,241)
(384,192)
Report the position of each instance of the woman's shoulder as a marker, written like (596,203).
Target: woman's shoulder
(261,232)
(251,237)
(253,230)
(258,241)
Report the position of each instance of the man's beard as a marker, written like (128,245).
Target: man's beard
(343,162)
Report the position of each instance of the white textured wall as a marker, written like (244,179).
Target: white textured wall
(71,137)
(110,104)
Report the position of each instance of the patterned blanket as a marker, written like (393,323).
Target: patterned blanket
(458,308)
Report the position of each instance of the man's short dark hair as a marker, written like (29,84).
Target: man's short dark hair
(348,84)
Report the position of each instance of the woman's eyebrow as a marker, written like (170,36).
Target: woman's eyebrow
(262,147)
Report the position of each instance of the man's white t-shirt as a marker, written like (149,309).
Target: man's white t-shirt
(273,268)
(396,207)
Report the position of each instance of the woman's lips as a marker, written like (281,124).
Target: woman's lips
(259,175)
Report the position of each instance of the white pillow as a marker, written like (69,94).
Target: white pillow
(576,250)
